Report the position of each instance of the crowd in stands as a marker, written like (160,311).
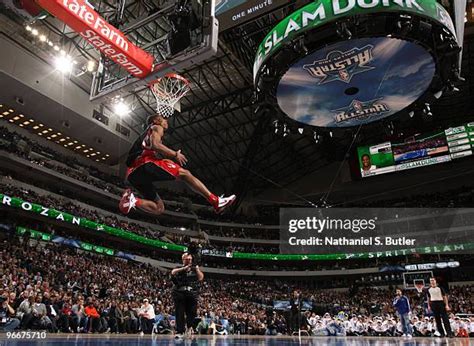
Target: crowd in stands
(23,146)
(60,289)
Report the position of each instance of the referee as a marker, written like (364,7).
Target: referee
(438,303)
(186,281)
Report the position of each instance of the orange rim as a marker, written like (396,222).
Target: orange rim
(170,75)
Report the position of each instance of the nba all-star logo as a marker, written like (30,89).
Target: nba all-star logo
(359,110)
(341,66)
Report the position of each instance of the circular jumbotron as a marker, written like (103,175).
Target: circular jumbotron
(331,66)
(355,82)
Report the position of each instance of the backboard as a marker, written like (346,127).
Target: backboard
(178,36)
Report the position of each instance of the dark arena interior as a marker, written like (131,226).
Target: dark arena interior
(237,172)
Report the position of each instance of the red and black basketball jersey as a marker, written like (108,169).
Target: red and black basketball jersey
(143,142)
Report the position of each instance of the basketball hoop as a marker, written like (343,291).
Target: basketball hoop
(168,90)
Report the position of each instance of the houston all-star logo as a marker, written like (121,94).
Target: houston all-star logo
(341,66)
(359,110)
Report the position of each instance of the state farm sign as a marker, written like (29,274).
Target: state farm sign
(81,17)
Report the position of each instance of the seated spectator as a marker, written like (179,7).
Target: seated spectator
(7,322)
(147,317)
(93,317)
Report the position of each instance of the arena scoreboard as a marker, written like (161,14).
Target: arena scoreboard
(417,151)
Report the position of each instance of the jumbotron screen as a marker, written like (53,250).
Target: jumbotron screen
(416,151)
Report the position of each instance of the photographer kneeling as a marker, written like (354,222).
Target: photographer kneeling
(185,293)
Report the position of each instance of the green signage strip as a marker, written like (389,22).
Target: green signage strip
(435,249)
(79,221)
(49,237)
(321,12)
(57,215)
(34,234)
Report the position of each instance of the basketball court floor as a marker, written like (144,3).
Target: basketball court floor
(230,340)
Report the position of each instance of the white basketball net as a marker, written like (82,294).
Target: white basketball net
(168,90)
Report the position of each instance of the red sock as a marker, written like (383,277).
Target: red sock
(138,202)
(213,199)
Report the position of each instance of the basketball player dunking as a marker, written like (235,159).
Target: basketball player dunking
(149,161)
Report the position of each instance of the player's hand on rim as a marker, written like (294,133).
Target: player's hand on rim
(182,160)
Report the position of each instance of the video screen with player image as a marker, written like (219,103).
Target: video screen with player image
(375,159)
(416,151)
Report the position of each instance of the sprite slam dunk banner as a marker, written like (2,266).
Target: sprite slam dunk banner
(321,12)
(81,17)
(417,151)
(459,247)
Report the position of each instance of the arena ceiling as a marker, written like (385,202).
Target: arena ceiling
(228,138)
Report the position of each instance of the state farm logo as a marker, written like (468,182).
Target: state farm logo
(81,17)
(341,66)
(358,110)
(96,23)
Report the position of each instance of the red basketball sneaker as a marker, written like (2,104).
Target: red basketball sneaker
(127,202)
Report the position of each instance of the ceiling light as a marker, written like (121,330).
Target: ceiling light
(56,48)
(26,123)
(21,125)
(49,138)
(28,28)
(11,120)
(6,113)
(62,139)
(34,32)
(121,108)
(90,66)
(50,43)
(86,151)
(16,118)
(63,64)
(54,136)
(42,38)
(11,110)
(21,115)
(35,127)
